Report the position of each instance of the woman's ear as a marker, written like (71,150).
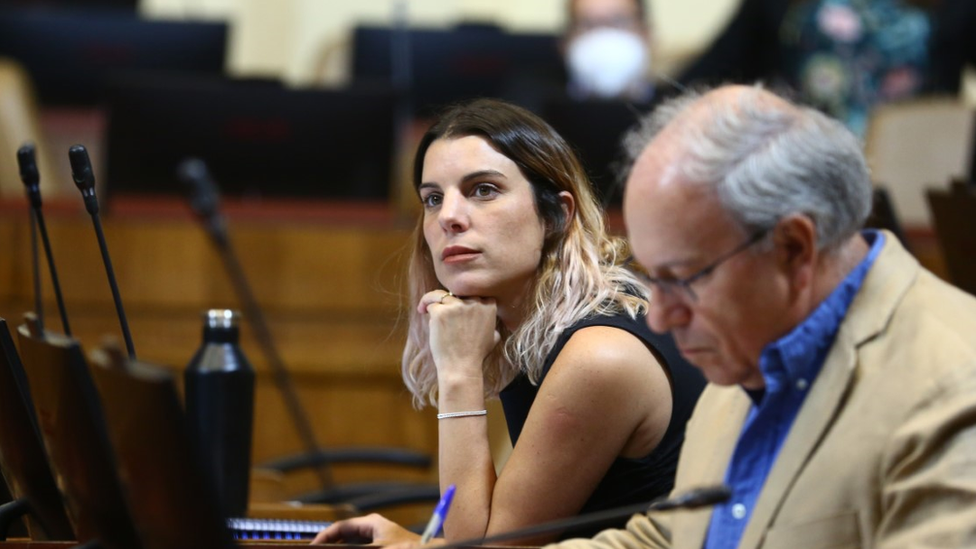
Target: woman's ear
(568,204)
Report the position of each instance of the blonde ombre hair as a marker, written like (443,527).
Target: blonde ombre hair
(580,274)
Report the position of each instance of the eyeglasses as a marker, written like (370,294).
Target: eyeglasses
(671,286)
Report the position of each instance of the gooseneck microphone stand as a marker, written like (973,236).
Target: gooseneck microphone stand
(692,499)
(205,202)
(84,178)
(36,272)
(31,178)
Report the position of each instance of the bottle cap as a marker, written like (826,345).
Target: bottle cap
(221,318)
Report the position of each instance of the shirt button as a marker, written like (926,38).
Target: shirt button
(802,384)
(739,511)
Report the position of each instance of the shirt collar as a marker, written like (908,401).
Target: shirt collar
(797,356)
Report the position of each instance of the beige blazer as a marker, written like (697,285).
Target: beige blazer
(883,451)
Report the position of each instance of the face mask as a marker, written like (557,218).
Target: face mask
(605,62)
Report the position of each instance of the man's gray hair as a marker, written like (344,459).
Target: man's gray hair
(766,162)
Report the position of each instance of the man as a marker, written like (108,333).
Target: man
(842,405)
(607,50)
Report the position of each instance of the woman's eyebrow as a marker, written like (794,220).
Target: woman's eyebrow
(482,173)
(466,179)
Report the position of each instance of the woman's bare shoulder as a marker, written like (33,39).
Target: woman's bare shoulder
(607,352)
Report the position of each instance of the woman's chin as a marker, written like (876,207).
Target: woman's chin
(467,290)
(465,287)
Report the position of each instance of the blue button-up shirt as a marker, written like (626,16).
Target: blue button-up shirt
(789,366)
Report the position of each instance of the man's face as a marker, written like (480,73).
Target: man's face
(620,14)
(677,228)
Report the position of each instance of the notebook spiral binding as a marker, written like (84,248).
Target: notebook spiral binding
(254,528)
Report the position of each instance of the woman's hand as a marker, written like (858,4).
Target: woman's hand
(371,529)
(462,332)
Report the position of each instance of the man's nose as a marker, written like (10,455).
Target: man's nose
(665,311)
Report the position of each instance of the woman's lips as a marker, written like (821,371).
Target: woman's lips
(458,254)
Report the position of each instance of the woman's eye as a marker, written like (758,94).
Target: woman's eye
(485,190)
(431,200)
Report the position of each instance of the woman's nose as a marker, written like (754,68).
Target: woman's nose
(453,214)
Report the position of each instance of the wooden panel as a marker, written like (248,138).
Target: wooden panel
(330,291)
(9,241)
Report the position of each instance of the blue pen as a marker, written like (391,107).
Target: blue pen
(440,513)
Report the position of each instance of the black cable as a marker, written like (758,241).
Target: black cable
(11,511)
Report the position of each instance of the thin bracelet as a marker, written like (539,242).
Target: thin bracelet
(462,414)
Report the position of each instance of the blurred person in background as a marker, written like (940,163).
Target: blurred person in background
(844,56)
(607,50)
(606,83)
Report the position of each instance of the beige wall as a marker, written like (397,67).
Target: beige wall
(291,38)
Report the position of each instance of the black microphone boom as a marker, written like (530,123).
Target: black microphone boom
(692,499)
(205,201)
(84,178)
(31,178)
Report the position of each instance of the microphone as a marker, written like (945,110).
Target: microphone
(205,202)
(84,178)
(692,499)
(31,178)
(204,198)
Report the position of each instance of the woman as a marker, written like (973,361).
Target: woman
(520,295)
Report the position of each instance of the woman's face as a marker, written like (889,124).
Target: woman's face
(480,220)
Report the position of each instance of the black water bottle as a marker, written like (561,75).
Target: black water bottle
(219,384)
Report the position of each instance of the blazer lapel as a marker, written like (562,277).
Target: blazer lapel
(706,465)
(886,282)
(811,424)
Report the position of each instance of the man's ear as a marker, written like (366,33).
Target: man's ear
(795,240)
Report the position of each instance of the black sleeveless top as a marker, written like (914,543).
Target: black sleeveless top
(628,481)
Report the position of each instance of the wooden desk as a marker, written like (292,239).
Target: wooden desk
(249,544)
(24,544)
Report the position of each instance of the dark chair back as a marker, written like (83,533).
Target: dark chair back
(172,502)
(884,216)
(954,216)
(22,459)
(70,419)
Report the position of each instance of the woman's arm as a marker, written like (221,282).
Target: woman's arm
(462,334)
(605,397)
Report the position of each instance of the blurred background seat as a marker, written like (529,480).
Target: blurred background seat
(19,123)
(912,145)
